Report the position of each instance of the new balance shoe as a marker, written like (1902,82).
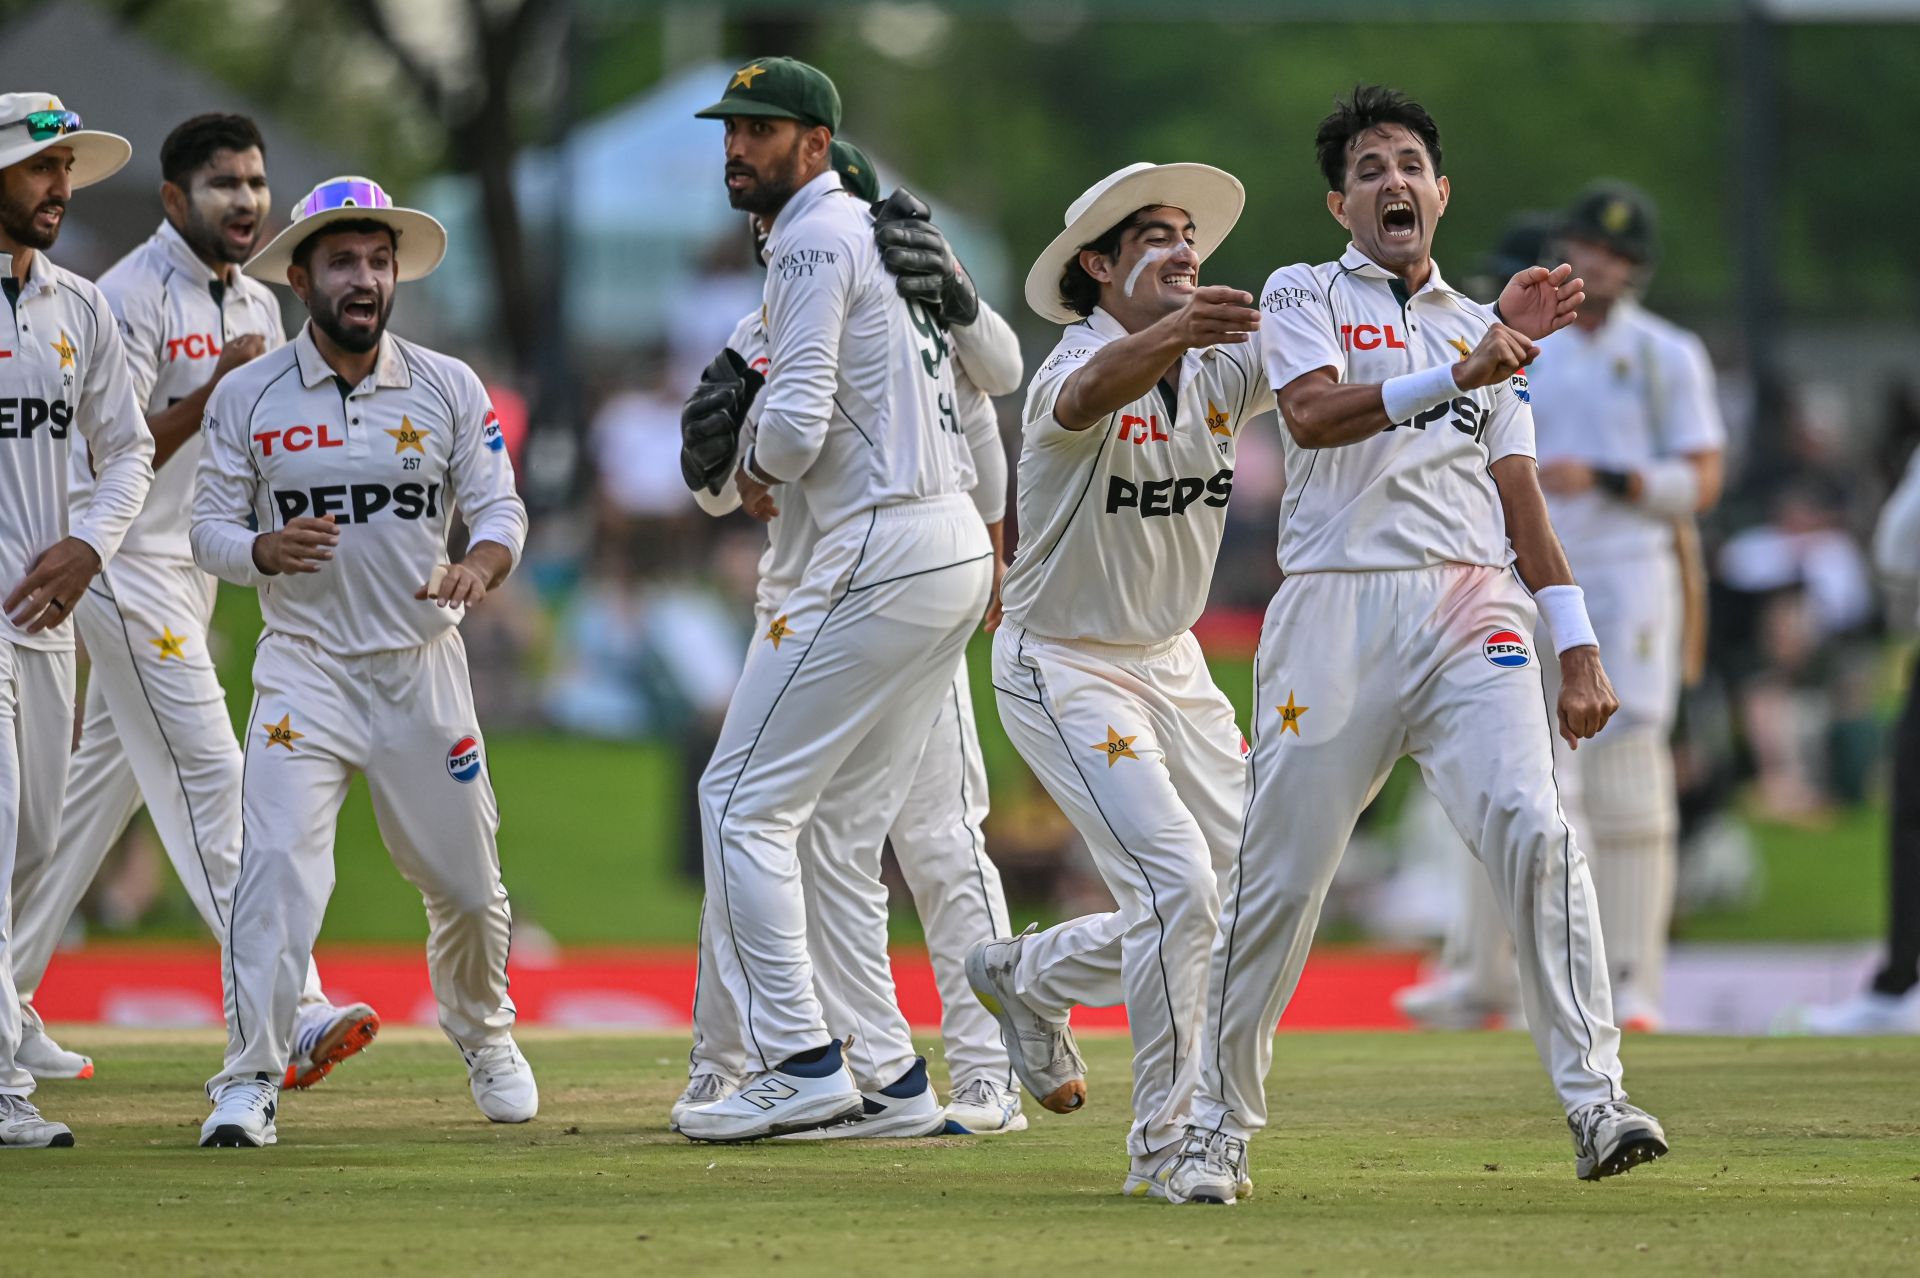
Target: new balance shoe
(502,1083)
(45,1059)
(902,1110)
(1611,1137)
(1210,1168)
(242,1116)
(22,1127)
(984,1107)
(325,1035)
(1043,1052)
(806,1091)
(702,1089)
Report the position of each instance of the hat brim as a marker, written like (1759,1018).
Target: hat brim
(422,242)
(744,106)
(1212,197)
(97,155)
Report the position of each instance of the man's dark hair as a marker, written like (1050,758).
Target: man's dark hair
(1368,107)
(193,143)
(303,251)
(1079,290)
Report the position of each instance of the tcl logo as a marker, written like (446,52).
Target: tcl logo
(297,439)
(192,346)
(1369,337)
(1140,430)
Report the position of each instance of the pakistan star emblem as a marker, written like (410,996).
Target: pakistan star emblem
(1290,715)
(1116,747)
(170,644)
(1217,420)
(406,435)
(282,733)
(744,77)
(778,630)
(64,348)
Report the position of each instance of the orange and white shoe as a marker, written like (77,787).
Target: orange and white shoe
(43,1058)
(323,1036)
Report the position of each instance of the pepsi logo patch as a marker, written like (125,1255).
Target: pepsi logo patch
(463,761)
(1519,383)
(1506,649)
(490,432)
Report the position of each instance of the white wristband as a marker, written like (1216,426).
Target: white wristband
(1670,487)
(1410,394)
(1564,609)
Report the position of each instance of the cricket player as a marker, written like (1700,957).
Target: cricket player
(331,471)
(1126,467)
(1630,439)
(156,719)
(62,372)
(1415,545)
(843,689)
(937,838)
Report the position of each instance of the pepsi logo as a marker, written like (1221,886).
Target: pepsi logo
(1506,649)
(463,761)
(490,433)
(1519,383)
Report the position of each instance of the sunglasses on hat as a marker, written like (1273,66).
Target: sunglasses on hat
(42,125)
(345,193)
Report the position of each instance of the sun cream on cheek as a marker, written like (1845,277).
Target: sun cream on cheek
(1148,258)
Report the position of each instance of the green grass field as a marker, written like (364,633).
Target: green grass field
(1392,1154)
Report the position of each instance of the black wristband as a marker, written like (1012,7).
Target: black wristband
(1496,311)
(1614,482)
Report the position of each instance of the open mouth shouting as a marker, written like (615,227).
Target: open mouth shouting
(362,309)
(239,231)
(1399,224)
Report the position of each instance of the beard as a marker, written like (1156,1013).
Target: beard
(766,194)
(326,316)
(17,220)
(204,236)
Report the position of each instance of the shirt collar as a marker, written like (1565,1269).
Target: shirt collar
(39,273)
(1358,263)
(181,254)
(389,369)
(805,198)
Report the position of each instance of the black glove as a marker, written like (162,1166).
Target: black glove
(922,263)
(710,423)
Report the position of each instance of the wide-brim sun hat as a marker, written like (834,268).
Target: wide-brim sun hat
(420,240)
(1212,197)
(32,122)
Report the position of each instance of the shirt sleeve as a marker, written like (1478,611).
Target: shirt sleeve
(481,472)
(1510,423)
(143,334)
(224,489)
(980,425)
(1259,397)
(1297,330)
(1689,409)
(1043,393)
(809,287)
(989,352)
(116,432)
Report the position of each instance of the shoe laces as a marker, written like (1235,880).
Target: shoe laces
(702,1088)
(494,1060)
(256,1092)
(978,1091)
(1586,1120)
(13,1108)
(1216,1152)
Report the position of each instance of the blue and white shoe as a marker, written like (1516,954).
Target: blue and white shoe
(900,1111)
(984,1107)
(798,1096)
(242,1116)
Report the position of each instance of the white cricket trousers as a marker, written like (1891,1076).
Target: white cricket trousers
(1356,669)
(155,730)
(36,731)
(1141,752)
(405,720)
(839,696)
(956,891)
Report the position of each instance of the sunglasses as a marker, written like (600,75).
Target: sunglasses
(42,125)
(343,193)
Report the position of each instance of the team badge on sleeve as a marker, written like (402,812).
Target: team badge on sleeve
(490,433)
(1519,384)
(463,760)
(1506,649)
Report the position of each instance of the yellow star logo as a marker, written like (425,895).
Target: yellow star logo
(281,733)
(1459,344)
(64,348)
(778,630)
(1290,715)
(743,78)
(1217,420)
(1116,747)
(406,435)
(170,644)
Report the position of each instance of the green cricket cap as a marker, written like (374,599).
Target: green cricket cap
(785,88)
(855,170)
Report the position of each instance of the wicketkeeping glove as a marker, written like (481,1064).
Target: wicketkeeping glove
(921,261)
(710,423)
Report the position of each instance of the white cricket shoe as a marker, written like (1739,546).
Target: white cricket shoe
(901,1110)
(325,1035)
(797,1097)
(1868,1013)
(1043,1052)
(502,1083)
(984,1107)
(45,1059)
(22,1127)
(1211,1167)
(242,1116)
(1147,1177)
(703,1088)
(1448,1001)
(1612,1137)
